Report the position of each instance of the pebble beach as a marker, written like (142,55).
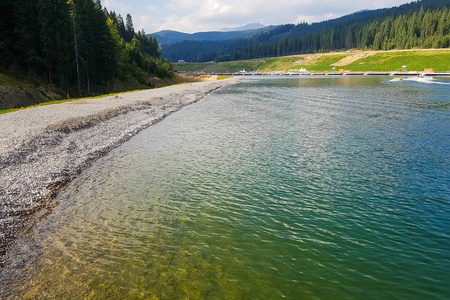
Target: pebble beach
(43,148)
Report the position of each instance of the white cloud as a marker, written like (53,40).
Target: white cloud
(118,6)
(207,15)
(141,22)
(313,18)
(183,24)
(181,4)
(216,14)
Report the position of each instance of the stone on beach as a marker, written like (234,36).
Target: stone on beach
(43,148)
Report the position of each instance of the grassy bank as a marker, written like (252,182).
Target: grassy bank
(415,60)
(5,111)
(16,93)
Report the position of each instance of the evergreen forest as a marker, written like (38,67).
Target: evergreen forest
(75,44)
(421,24)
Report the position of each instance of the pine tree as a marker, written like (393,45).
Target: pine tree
(427,28)
(27,45)
(129,29)
(121,27)
(75,34)
(54,17)
(7,21)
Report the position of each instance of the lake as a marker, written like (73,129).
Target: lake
(277,187)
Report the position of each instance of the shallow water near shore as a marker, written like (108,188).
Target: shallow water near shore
(297,188)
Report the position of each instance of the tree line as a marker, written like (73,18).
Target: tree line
(75,44)
(422,24)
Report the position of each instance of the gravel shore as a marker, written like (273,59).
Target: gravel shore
(43,148)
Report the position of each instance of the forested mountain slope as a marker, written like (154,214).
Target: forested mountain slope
(421,24)
(166,37)
(76,45)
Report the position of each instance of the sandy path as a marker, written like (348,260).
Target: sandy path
(352,58)
(43,148)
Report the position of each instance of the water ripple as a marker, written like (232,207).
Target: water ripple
(293,188)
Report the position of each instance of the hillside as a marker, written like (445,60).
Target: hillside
(76,46)
(17,93)
(167,37)
(421,24)
(251,26)
(383,61)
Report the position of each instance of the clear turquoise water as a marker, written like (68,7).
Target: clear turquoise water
(296,188)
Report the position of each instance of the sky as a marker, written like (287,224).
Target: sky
(210,15)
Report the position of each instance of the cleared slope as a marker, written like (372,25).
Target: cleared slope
(416,60)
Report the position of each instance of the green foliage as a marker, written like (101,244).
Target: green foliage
(75,44)
(11,81)
(55,31)
(129,29)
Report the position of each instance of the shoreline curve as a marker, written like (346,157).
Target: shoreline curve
(43,148)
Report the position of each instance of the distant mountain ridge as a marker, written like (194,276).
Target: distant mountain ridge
(167,37)
(418,24)
(251,26)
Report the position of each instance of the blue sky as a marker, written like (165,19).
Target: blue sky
(208,15)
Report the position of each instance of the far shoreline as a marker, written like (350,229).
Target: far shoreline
(363,61)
